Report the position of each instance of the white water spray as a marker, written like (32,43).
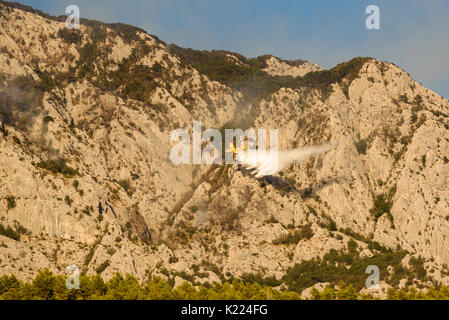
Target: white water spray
(269,162)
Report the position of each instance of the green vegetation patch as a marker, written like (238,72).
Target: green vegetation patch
(383,204)
(253,82)
(47,286)
(13,233)
(361,146)
(70,36)
(103,266)
(58,166)
(9,232)
(348,266)
(126,185)
(305,232)
(11,202)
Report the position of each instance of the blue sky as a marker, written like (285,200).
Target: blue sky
(414,34)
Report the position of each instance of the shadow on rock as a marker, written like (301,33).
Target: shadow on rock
(282,185)
(311,191)
(277,182)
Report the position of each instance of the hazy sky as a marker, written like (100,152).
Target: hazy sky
(414,34)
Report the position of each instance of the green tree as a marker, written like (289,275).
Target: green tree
(44,285)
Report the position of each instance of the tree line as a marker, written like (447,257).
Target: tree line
(48,286)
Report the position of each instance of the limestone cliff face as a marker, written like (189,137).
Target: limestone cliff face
(87,118)
(277,67)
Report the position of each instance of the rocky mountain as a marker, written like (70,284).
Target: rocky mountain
(86,178)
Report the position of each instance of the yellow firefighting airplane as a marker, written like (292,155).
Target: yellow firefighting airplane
(269,162)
